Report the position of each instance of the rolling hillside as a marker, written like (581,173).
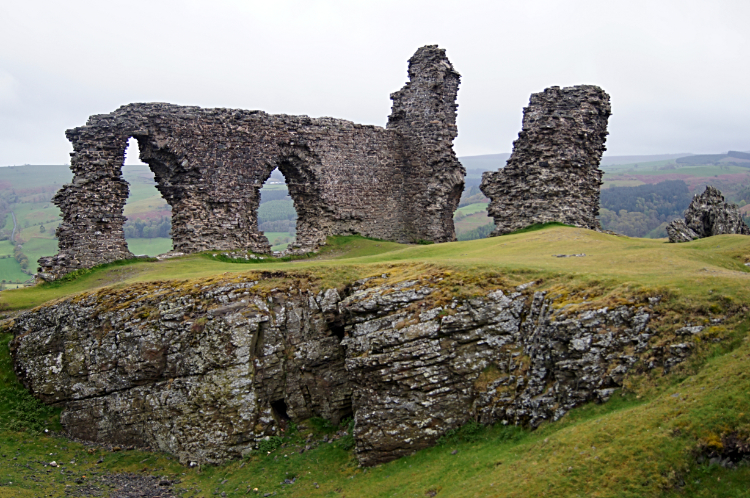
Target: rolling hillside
(658,436)
(25,191)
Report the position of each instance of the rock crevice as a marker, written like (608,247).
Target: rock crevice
(208,371)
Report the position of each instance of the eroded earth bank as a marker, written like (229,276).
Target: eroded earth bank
(206,369)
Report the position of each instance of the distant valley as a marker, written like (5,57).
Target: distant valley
(640,195)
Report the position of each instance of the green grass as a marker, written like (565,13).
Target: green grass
(10,270)
(702,171)
(150,247)
(641,443)
(472,208)
(473,221)
(37,247)
(689,268)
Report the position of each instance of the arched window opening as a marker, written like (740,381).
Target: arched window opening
(277,217)
(149,217)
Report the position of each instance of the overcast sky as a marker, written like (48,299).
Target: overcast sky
(677,71)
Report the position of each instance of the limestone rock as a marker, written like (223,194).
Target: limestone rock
(707,215)
(207,370)
(678,231)
(553,174)
(402,183)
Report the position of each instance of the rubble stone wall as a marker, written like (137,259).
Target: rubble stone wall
(553,173)
(206,369)
(399,183)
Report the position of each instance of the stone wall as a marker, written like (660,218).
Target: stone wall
(206,369)
(553,174)
(401,183)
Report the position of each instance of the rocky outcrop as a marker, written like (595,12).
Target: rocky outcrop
(553,174)
(206,369)
(401,183)
(707,215)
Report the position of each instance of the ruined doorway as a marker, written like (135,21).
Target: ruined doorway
(148,222)
(277,216)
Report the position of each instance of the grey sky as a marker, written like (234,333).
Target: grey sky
(677,71)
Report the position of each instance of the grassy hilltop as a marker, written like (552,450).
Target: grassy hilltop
(654,438)
(638,199)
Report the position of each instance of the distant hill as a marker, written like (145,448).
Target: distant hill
(475,165)
(732,157)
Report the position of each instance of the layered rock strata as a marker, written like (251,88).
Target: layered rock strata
(708,214)
(553,173)
(401,183)
(205,370)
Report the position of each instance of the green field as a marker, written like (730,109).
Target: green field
(471,209)
(30,188)
(149,247)
(643,442)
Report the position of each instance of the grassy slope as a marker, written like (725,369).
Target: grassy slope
(639,444)
(150,247)
(472,208)
(692,268)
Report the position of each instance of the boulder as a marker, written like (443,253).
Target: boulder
(709,214)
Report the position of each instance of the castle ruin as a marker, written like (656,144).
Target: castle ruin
(553,174)
(399,183)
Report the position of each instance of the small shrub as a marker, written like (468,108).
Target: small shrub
(347,442)
(322,425)
(272,443)
(469,432)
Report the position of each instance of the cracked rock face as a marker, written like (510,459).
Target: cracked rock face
(707,215)
(207,370)
(401,183)
(553,174)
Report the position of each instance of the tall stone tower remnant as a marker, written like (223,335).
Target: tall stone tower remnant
(400,183)
(553,173)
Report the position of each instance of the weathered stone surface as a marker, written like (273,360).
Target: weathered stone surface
(553,173)
(707,215)
(401,183)
(205,371)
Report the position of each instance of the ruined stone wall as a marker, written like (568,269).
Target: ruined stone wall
(402,183)
(207,369)
(553,173)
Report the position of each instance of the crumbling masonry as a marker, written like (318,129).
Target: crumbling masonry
(553,173)
(399,183)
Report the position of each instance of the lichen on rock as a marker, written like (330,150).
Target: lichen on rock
(707,215)
(553,173)
(208,369)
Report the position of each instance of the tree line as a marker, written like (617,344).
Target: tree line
(148,229)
